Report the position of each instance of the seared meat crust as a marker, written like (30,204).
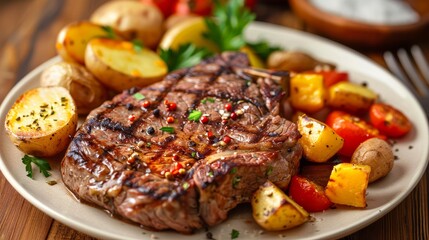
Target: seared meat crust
(122,161)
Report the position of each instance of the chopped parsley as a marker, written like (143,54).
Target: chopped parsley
(195,115)
(208,99)
(234,234)
(137,45)
(167,129)
(42,164)
(233,170)
(235,181)
(110,32)
(138,96)
(269,171)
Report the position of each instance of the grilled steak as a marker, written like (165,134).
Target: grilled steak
(190,174)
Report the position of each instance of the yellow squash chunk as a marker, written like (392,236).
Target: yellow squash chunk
(348,183)
(318,140)
(351,97)
(121,65)
(42,120)
(73,38)
(307,92)
(273,210)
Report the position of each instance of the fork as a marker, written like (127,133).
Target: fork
(412,73)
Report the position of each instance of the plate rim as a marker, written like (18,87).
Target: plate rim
(98,233)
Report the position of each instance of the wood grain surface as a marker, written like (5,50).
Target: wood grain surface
(28,29)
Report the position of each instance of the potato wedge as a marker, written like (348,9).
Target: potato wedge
(73,38)
(318,140)
(273,210)
(42,120)
(348,183)
(120,65)
(351,97)
(307,92)
(86,91)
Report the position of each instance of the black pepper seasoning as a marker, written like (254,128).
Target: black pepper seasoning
(129,106)
(150,130)
(156,112)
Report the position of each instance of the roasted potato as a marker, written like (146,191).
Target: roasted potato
(295,62)
(73,38)
(132,20)
(377,154)
(351,97)
(318,140)
(86,91)
(273,210)
(307,92)
(348,183)
(120,65)
(42,120)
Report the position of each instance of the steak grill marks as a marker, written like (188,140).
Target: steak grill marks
(183,180)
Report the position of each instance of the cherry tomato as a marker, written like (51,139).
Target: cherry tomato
(389,120)
(166,6)
(353,129)
(308,194)
(199,7)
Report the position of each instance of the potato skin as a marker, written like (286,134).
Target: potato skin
(295,61)
(42,120)
(72,39)
(86,91)
(377,154)
(132,20)
(111,62)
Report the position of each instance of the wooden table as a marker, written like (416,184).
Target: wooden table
(28,33)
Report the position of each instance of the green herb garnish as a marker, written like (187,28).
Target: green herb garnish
(185,185)
(263,49)
(195,115)
(234,234)
(167,129)
(233,170)
(139,96)
(226,29)
(110,32)
(269,171)
(235,181)
(42,164)
(137,45)
(208,99)
(186,55)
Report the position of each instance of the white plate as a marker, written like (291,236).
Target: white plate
(412,153)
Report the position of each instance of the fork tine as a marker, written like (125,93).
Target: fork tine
(394,67)
(421,62)
(412,73)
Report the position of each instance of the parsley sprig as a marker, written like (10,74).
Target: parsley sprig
(195,115)
(263,49)
(42,164)
(185,56)
(227,26)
